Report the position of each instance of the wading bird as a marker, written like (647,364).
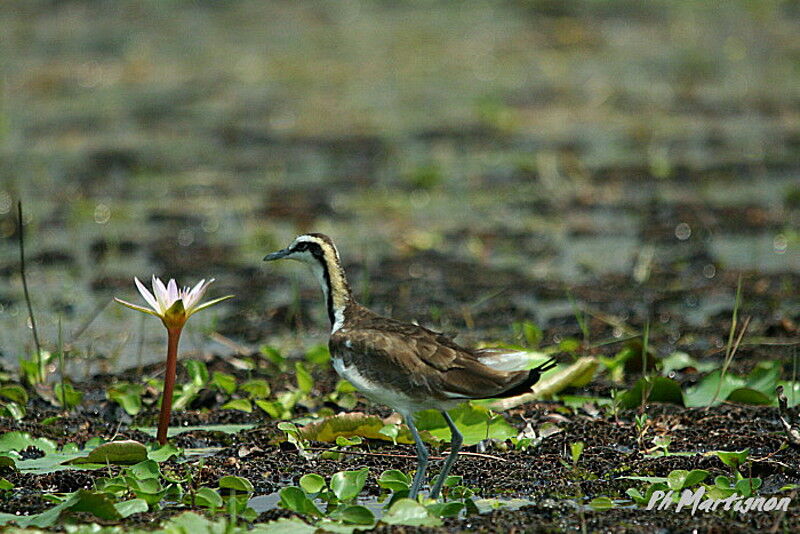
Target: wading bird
(402,365)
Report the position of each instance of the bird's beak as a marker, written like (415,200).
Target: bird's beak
(277,255)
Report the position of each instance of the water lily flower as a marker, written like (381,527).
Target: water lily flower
(173,306)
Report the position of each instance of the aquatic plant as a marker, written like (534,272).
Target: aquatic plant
(174,307)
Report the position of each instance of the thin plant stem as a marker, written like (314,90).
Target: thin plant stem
(173,337)
(61,363)
(730,350)
(735,316)
(83,327)
(39,376)
(728,360)
(580,318)
(645,348)
(794,373)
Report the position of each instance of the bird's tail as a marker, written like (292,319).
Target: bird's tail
(533,376)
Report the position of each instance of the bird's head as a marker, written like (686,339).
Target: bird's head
(313,249)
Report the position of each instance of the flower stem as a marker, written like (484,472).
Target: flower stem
(173,336)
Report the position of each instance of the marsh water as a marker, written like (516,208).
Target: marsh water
(475,163)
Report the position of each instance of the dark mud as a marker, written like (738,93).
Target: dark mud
(614,449)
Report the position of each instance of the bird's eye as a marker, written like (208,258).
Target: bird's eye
(301,247)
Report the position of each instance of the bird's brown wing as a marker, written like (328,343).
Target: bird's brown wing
(409,357)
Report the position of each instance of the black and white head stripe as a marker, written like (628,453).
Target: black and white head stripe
(318,251)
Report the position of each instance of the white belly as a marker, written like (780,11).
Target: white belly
(376,392)
(385,395)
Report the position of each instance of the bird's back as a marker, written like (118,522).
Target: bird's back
(428,368)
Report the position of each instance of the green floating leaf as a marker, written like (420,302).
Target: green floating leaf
(732,459)
(394,480)
(12,410)
(197,371)
(192,523)
(704,392)
(652,389)
(273,355)
(410,513)
(19,441)
(346,485)
(115,452)
(256,388)
(354,514)
(304,381)
(284,526)
(240,484)
(149,489)
(601,503)
(749,396)
(164,453)
(576,450)
(680,478)
(224,382)
(312,483)
(680,360)
(475,423)
(66,395)
(274,409)
(101,505)
(764,377)
(446,509)
(748,486)
(391,431)
(130,507)
(243,405)
(127,395)
(295,499)
(145,469)
(357,424)
(318,355)
(15,393)
(342,441)
(206,497)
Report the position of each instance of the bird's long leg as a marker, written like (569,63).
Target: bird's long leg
(455,444)
(422,458)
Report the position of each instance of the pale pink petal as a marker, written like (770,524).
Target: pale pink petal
(146,294)
(172,291)
(197,293)
(160,291)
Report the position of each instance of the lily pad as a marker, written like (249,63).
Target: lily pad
(475,423)
(410,513)
(652,389)
(357,424)
(115,452)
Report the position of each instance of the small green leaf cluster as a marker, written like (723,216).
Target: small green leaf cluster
(334,502)
(13,398)
(756,388)
(681,479)
(141,486)
(338,495)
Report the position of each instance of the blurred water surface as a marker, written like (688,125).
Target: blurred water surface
(535,141)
